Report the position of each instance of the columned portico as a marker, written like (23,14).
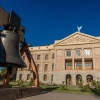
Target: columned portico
(83,67)
(73,63)
(93,59)
(64,59)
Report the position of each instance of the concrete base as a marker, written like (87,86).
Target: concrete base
(17,93)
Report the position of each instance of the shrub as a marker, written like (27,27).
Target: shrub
(20,83)
(96,84)
(84,88)
(31,82)
(63,82)
(63,87)
(80,84)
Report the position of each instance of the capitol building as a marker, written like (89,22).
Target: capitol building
(69,60)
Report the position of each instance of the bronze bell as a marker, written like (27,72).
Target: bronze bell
(10,49)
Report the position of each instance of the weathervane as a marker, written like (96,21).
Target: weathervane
(79,28)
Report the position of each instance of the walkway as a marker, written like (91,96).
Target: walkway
(62,96)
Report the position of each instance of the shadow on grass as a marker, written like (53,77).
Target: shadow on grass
(49,89)
(94,91)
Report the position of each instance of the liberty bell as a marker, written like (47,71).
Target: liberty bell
(10,40)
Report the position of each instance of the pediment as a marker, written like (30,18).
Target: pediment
(78,38)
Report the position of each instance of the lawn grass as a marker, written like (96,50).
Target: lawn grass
(68,89)
(15,84)
(59,88)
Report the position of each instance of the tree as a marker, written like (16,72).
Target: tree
(3,72)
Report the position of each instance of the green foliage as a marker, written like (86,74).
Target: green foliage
(96,84)
(63,82)
(20,83)
(12,80)
(84,88)
(31,82)
(63,87)
(80,84)
(3,72)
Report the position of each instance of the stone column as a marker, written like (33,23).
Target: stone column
(84,79)
(73,79)
(41,64)
(73,68)
(63,59)
(93,59)
(83,66)
(55,51)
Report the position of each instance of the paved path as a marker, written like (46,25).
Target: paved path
(62,96)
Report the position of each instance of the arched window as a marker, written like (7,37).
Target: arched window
(20,77)
(28,77)
(45,77)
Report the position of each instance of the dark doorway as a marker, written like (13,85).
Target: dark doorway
(78,79)
(68,79)
(89,79)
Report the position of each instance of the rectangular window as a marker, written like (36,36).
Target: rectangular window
(53,56)
(46,57)
(68,52)
(38,57)
(88,65)
(79,66)
(77,52)
(69,66)
(46,67)
(38,65)
(88,52)
(52,66)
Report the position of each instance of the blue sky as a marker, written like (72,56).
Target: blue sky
(49,20)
